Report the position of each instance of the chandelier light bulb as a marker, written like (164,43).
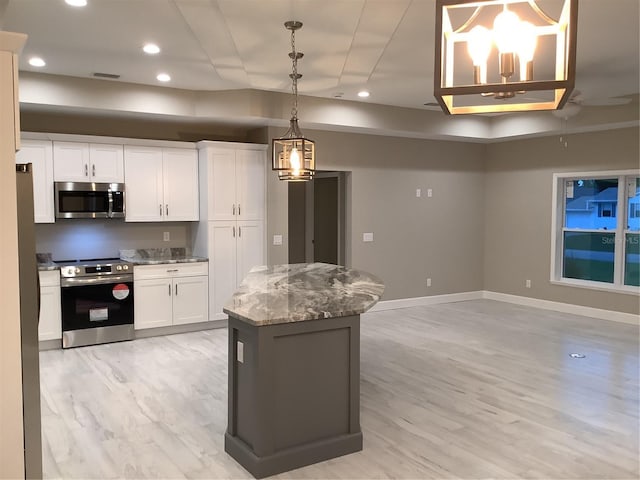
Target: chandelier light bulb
(294,159)
(527,40)
(506,28)
(479,47)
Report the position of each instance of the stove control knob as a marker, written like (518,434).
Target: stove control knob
(118,267)
(77,270)
(125,267)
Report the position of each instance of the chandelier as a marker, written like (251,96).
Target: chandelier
(486,51)
(294,156)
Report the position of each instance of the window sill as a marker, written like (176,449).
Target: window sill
(603,287)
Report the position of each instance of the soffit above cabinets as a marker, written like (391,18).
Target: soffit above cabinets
(228,63)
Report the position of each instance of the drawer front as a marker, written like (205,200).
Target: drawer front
(169,270)
(191,269)
(49,278)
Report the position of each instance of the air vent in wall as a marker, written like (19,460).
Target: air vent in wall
(106,75)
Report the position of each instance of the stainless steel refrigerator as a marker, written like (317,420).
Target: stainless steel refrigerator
(29,314)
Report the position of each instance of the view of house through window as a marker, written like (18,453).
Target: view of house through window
(597,245)
(632,235)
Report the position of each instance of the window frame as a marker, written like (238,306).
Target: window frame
(558,229)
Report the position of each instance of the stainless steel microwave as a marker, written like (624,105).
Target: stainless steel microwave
(89,200)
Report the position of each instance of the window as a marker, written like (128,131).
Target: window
(592,245)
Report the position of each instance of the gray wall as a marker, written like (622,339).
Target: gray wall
(414,238)
(518,208)
(466,237)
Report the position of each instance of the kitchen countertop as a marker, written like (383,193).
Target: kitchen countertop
(157,256)
(46,267)
(301,292)
(45,262)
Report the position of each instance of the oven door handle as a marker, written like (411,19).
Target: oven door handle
(76,282)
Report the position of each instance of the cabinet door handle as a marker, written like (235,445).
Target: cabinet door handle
(238,209)
(234,231)
(234,209)
(93,170)
(239,231)
(166,207)
(160,206)
(176,289)
(169,289)
(86,170)
(172,270)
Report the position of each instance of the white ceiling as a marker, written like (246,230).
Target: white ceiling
(384,46)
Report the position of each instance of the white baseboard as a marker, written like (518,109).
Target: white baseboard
(564,307)
(599,313)
(420,301)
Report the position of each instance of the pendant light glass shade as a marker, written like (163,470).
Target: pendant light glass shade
(294,155)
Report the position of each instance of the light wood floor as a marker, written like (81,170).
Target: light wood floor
(477,389)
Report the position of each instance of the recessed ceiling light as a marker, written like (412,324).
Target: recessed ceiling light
(76,3)
(151,48)
(363,94)
(163,77)
(37,62)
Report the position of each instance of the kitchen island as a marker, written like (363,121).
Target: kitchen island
(294,365)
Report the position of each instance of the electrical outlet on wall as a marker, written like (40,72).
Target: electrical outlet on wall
(527,283)
(428,282)
(166,236)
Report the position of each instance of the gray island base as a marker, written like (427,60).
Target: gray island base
(294,365)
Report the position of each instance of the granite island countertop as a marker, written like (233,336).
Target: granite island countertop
(301,292)
(157,256)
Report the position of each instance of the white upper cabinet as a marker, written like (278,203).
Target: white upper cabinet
(222,185)
(143,195)
(40,154)
(180,184)
(161,184)
(107,163)
(236,180)
(84,162)
(250,184)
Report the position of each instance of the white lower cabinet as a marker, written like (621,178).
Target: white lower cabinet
(170,294)
(50,321)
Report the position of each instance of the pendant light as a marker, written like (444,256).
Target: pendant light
(294,155)
(494,73)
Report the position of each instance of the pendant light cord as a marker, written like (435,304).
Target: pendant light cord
(294,75)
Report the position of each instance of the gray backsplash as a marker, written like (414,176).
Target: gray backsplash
(81,239)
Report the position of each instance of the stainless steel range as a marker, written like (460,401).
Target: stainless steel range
(97,301)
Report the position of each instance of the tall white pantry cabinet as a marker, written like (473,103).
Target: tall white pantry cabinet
(231,229)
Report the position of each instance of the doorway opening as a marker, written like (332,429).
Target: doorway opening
(318,219)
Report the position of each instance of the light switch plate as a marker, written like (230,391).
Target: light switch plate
(418,192)
(367,237)
(240,352)
(277,239)
(429,192)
